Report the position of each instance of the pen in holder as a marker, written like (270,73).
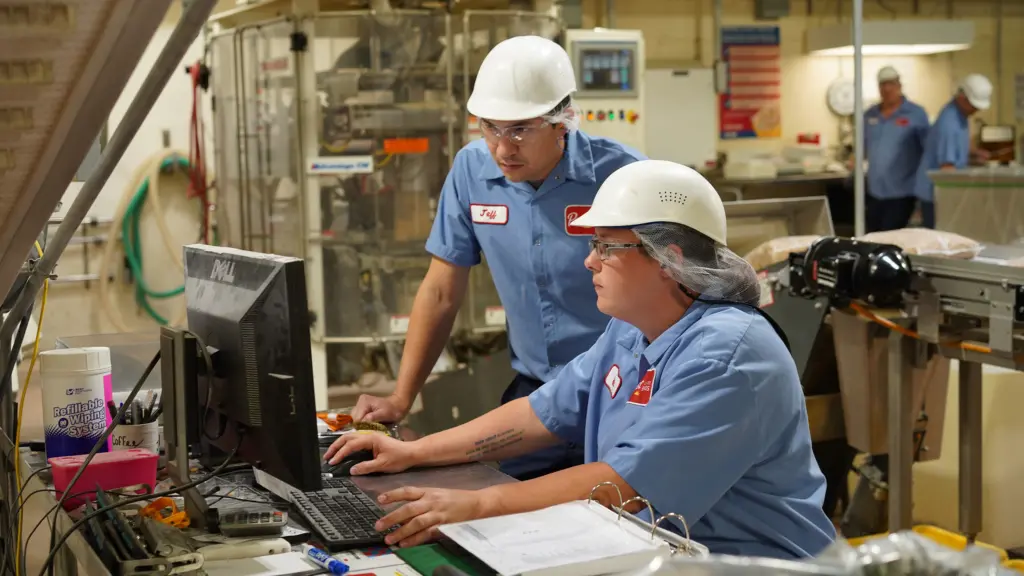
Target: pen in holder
(128,436)
(139,427)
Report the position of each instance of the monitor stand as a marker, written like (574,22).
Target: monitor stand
(179,357)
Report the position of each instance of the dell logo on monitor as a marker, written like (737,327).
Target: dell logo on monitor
(223,270)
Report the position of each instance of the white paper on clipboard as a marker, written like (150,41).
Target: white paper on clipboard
(573,539)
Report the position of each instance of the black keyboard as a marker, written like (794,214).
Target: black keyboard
(340,515)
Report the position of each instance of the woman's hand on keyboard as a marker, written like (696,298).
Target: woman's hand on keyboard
(424,510)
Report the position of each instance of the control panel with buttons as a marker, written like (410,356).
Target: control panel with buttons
(609,66)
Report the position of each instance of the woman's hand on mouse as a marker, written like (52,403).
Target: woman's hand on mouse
(389,455)
(424,510)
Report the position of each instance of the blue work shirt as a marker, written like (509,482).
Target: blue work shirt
(721,437)
(534,254)
(894,146)
(948,142)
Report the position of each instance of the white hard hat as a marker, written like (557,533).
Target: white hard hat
(521,78)
(887,74)
(978,91)
(650,191)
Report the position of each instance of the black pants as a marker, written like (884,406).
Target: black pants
(547,460)
(889,214)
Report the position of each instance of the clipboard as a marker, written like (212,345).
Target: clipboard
(553,541)
(681,545)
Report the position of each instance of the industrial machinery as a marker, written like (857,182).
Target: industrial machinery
(934,307)
(334,132)
(609,67)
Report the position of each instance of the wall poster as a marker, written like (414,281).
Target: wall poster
(750,105)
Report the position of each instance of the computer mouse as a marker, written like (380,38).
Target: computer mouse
(344,467)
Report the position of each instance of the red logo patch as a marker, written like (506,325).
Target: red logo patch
(496,214)
(612,380)
(571,214)
(903,121)
(642,395)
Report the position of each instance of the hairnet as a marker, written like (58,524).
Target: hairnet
(706,267)
(567,113)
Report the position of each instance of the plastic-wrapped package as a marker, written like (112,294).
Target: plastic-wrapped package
(901,554)
(777,250)
(928,242)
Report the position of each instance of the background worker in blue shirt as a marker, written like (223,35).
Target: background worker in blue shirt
(948,145)
(514,196)
(894,134)
(689,398)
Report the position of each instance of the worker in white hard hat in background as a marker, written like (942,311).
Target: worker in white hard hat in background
(514,196)
(689,398)
(948,145)
(894,134)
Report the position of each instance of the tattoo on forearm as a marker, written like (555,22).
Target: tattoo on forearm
(495,442)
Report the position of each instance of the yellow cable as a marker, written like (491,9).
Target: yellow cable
(21,408)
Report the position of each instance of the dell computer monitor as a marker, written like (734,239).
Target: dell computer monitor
(249,309)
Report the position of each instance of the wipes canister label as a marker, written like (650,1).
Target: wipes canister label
(76,417)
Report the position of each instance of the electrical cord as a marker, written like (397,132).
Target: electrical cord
(21,409)
(12,485)
(47,517)
(220,469)
(208,360)
(16,518)
(968,346)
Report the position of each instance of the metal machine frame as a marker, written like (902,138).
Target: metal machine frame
(967,310)
(980,304)
(356,75)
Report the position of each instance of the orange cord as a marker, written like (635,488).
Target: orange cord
(869,315)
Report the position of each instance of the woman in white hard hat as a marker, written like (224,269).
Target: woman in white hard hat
(514,196)
(689,398)
(948,145)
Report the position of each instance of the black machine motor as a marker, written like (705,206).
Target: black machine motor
(845,269)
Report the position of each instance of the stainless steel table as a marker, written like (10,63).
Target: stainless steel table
(781,186)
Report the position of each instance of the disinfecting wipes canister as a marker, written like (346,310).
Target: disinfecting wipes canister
(76,389)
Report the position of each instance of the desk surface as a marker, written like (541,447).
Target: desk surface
(464,477)
(461,477)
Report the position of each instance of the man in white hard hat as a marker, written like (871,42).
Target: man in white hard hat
(514,196)
(894,135)
(948,145)
(689,398)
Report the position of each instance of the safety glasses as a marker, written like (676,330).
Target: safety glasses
(515,134)
(603,249)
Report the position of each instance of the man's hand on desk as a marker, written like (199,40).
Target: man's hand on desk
(376,409)
(425,510)
(389,455)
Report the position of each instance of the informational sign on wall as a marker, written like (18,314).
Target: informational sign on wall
(750,105)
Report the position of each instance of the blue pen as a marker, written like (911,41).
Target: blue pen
(325,560)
